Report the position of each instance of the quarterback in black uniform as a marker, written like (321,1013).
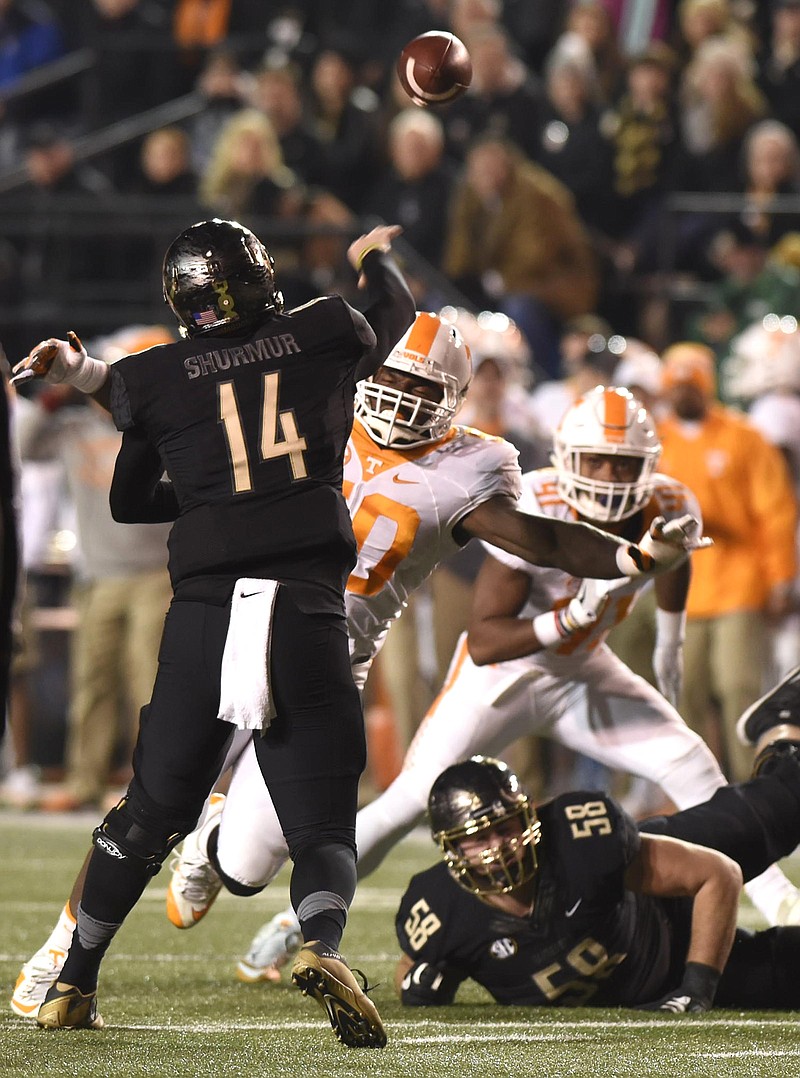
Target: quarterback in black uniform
(249,416)
(572,904)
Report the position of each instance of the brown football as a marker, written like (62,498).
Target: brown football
(434,68)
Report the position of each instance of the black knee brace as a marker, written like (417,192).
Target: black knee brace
(136,827)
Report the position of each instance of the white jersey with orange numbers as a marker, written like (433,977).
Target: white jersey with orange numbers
(404,506)
(551,589)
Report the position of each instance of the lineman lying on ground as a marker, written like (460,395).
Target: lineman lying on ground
(573,905)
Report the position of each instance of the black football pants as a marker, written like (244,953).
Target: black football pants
(756,823)
(312,754)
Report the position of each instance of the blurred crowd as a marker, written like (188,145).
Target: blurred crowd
(592,115)
(546,197)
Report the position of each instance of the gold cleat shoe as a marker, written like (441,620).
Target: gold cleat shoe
(322,973)
(65,1007)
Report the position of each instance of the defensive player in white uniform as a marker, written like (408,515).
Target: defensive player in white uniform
(535,660)
(417,488)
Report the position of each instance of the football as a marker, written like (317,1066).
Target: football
(434,68)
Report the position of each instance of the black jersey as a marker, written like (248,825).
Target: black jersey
(587,942)
(252,432)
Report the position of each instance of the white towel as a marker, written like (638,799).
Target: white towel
(245,694)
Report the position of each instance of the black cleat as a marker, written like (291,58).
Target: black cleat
(322,973)
(66,1007)
(780,706)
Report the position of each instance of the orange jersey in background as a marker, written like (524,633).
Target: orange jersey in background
(749,509)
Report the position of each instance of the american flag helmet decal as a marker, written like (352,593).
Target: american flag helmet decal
(206,317)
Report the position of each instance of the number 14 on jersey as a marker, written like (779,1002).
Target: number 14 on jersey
(279,434)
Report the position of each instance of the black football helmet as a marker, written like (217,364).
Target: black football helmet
(218,276)
(482,797)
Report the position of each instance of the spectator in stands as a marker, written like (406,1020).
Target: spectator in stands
(121,590)
(719,102)
(642,127)
(515,243)
(30,36)
(415,190)
(779,64)
(246,175)
(771,158)
(742,484)
(220,83)
(343,116)
(277,92)
(52,166)
(504,99)
(752,286)
(700,21)
(572,144)
(165,165)
(591,20)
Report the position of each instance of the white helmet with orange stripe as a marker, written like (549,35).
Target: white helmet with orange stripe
(415,395)
(606,422)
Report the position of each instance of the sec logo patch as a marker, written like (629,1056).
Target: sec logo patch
(504,948)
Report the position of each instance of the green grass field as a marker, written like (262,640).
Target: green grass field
(173,1007)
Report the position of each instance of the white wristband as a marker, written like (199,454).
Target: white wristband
(548,629)
(90,376)
(670,627)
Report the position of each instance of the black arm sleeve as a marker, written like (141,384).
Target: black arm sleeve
(390,310)
(138,493)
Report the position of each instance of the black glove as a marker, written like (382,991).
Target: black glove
(429,985)
(694,995)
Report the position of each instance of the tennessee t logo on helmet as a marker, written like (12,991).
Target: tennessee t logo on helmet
(433,352)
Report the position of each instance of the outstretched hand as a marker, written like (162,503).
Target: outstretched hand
(670,543)
(377,239)
(682,532)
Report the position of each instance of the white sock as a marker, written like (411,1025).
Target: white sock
(768,891)
(60,938)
